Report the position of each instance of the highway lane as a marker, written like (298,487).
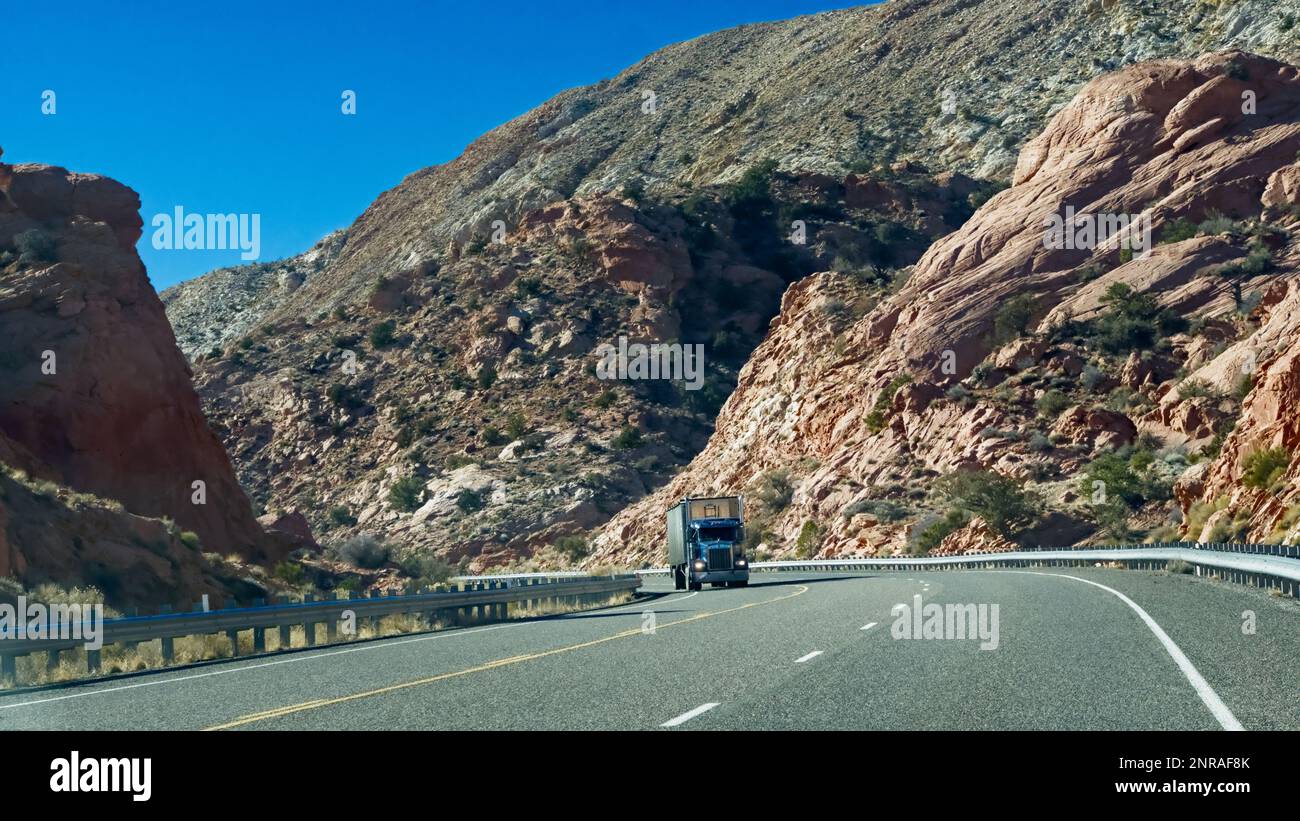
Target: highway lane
(788,652)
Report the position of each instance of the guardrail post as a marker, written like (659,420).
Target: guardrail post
(92,661)
(259,639)
(233,635)
(51,660)
(286,636)
(332,630)
(9,667)
(168,649)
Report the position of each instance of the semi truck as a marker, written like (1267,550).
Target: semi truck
(705,539)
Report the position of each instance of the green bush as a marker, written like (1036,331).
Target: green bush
(629,438)
(405,494)
(384,334)
(1177,230)
(1012,319)
(516,426)
(809,540)
(574,548)
(363,550)
(342,516)
(190,539)
(1052,403)
(469,501)
(879,415)
(933,534)
(290,573)
(34,245)
(487,376)
(775,490)
(343,396)
(999,500)
(1264,467)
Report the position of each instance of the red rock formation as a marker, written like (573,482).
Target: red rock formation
(1167,137)
(96,396)
(975,538)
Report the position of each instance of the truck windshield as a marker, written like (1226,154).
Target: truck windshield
(717,534)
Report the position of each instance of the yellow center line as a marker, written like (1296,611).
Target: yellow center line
(316,704)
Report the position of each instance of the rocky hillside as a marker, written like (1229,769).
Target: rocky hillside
(471,296)
(101,432)
(1049,394)
(221,306)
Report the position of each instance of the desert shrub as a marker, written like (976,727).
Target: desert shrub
(190,539)
(629,438)
(1179,566)
(634,189)
(809,540)
(343,396)
(341,515)
(528,287)
(383,335)
(1135,321)
(930,536)
(880,410)
(1177,230)
(1052,403)
(405,494)
(363,550)
(605,399)
(34,245)
(289,573)
(1262,468)
(487,376)
(493,437)
(957,393)
(775,490)
(468,501)
(1118,477)
(1195,388)
(516,425)
(999,500)
(573,548)
(1012,319)
(428,570)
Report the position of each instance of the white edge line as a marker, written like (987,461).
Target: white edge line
(690,714)
(868,626)
(1203,689)
(814,654)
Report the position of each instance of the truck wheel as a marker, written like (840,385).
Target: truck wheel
(694,585)
(745,583)
(679,579)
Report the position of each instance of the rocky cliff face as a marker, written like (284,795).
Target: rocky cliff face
(213,310)
(96,397)
(617,210)
(1057,367)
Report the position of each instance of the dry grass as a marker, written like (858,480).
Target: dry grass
(116,659)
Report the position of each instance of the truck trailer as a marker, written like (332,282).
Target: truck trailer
(705,543)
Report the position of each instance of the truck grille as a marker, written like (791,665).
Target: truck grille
(720,558)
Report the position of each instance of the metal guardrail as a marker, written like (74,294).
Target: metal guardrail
(485,601)
(1257,569)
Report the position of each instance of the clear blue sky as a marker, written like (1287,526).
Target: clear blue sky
(233,107)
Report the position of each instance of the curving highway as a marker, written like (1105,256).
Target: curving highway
(1075,649)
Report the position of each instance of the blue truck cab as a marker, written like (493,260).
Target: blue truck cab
(705,543)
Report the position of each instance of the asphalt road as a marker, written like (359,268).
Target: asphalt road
(792,651)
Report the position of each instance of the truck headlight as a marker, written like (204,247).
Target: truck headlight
(699,565)
(741,563)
